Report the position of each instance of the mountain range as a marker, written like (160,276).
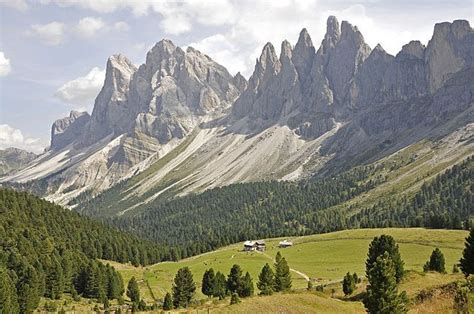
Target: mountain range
(181,123)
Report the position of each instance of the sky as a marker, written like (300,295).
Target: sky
(53,52)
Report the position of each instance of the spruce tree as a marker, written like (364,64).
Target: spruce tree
(219,289)
(8,297)
(246,289)
(348,284)
(54,280)
(266,280)
(378,247)
(234,280)
(282,274)
(436,262)
(167,302)
(133,292)
(208,282)
(28,290)
(183,288)
(382,293)
(467,260)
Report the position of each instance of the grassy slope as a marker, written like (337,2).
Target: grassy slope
(324,257)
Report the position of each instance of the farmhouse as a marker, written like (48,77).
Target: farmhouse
(254,245)
(285,244)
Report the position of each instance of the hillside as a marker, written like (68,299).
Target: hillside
(324,258)
(47,251)
(401,190)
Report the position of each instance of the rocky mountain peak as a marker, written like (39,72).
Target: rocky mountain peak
(414,49)
(450,49)
(240,82)
(332,34)
(286,51)
(66,130)
(268,58)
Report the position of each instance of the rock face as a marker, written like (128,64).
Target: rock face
(66,130)
(310,110)
(12,159)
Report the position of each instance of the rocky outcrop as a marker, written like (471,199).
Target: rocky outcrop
(112,113)
(13,159)
(67,130)
(174,89)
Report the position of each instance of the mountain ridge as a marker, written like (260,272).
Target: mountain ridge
(308,111)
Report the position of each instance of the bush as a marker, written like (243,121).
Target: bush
(461,300)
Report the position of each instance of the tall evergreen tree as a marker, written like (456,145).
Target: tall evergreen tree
(167,302)
(219,289)
(348,284)
(208,282)
(183,288)
(246,290)
(436,262)
(467,260)
(133,291)
(54,280)
(266,280)
(8,297)
(282,274)
(28,288)
(378,247)
(382,292)
(234,280)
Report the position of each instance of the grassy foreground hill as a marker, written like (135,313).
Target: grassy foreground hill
(323,258)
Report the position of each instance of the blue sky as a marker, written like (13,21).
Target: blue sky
(53,52)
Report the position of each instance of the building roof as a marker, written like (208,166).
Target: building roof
(285,242)
(249,243)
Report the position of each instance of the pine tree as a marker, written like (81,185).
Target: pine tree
(219,289)
(348,284)
(28,290)
(8,297)
(208,282)
(436,262)
(246,290)
(266,280)
(467,260)
(282,274)
(133,292)
(378,247)
(167,302)
(234,280)
(382,292)
(183,288)
(54,280)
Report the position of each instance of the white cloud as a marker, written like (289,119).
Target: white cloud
(11,137)
(82,91)
(121,26)
(89,27)
(51,33)
(15,4)
(5,66)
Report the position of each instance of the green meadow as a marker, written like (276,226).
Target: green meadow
(324,258)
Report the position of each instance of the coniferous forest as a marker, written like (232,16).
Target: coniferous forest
(47,250)
(203,222)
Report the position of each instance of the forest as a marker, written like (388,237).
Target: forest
(218,217)
(47,250)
